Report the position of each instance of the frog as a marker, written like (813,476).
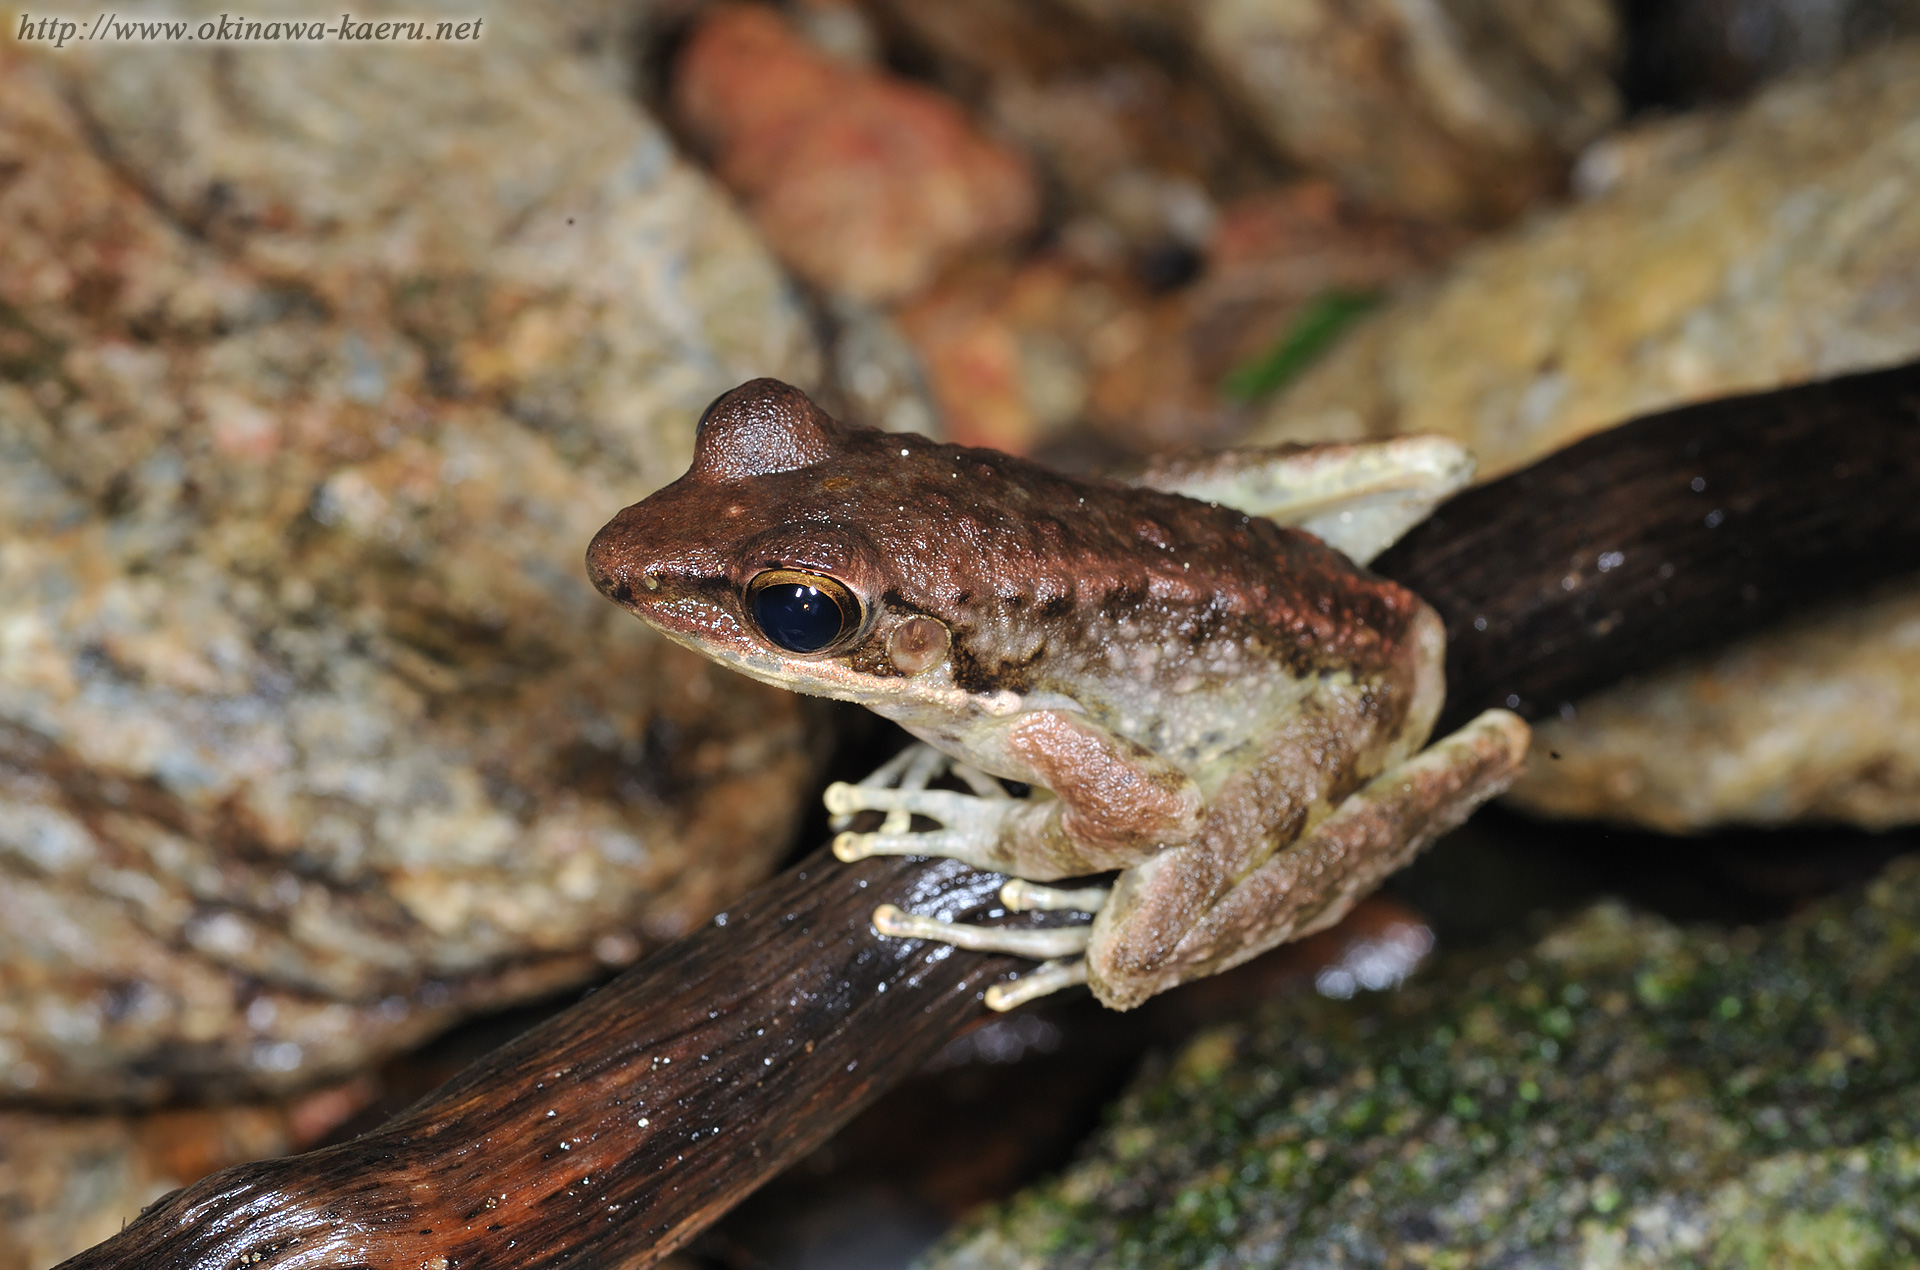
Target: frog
(1187,721)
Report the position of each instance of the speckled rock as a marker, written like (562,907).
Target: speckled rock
(1621,1094)
(1713,255)
(318,368)
(1455,109)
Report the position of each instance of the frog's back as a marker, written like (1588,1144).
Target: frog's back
(1040,556)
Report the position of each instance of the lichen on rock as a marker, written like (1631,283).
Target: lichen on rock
(1622,1092)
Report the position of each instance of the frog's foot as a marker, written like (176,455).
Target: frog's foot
(1036,942)
(1057,943)
(970,823)
(914,767)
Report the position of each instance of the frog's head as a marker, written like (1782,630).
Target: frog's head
(787,552)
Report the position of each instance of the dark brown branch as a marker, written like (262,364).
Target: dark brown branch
(1668,534)
(616,1131)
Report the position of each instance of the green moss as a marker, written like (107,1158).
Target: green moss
(1622,1093)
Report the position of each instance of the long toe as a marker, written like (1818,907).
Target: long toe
(1045,981)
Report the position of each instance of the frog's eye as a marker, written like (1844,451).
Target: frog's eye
(802,612)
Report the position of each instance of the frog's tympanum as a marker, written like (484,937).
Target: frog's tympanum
(1223,713)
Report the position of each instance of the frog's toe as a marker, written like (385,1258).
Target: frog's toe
(1046,979)
(965,847)
(1022,896)
(949,808)
(1036,942)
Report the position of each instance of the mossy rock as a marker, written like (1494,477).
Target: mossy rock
(1621,1093)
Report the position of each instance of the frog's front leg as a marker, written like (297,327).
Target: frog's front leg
(1359,497)
(1149,937)
(1101,802)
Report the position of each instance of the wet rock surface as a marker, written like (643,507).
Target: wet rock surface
(313,735)
(1620,1092)
(1715,254)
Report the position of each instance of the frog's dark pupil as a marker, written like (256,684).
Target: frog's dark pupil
(801,619)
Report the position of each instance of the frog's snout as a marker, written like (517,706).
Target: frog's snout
(611,563)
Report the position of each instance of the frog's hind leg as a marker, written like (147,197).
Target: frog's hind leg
(1358,497)
(1312,883)
(1100,803)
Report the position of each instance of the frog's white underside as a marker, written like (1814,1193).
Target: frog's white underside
(1358,498)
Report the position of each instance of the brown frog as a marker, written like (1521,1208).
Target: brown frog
(1224,712)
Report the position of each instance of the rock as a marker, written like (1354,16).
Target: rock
(1011,351)
(1138,143)
(1021,356)
(1715,255)
(1622,1093)
(1278,250)
(877,376)
(1816,721)
(865,184)
(1465,110)
(318,368)
(69,1181)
